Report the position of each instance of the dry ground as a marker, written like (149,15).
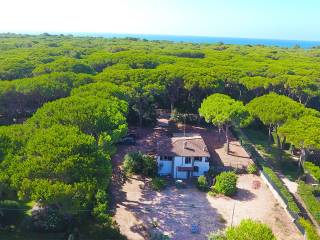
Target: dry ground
(174,210)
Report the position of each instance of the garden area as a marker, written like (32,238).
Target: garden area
(149,206)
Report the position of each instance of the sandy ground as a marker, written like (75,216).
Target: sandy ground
(174,210)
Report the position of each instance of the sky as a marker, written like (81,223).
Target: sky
(266,19)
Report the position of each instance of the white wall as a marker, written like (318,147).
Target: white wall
(203,167)
(169,167)
(164,167)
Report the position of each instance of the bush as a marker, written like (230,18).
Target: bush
(133,162)
(250,230)
(48,220)
(202,183)
(306,192)
(138,163)
(217,236)
(252,169)
(313,170)
(226,183)
(310,229)
(270,174)
(158,184)
(101,207)
(150,166)
(104,232)
(10,212)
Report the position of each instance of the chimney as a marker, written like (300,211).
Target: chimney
(185,145)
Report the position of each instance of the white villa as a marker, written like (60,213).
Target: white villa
(183,156)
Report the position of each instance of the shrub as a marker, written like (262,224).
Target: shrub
(313,169)
(202,183)
(306,192)
(150,167)
(101,207)
(47,220)
(226,183)
(270,174)
(138,163)
(310,229)
(250,230)
(133,162)
(282,188)
(10,212)
(158,183)
(217,236)
(252,169)
(103,232)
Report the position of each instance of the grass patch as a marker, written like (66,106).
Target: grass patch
(310,229)
(307,193)
(271,153)
(313,170)
(267,169)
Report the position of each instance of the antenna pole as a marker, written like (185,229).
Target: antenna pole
(184,125)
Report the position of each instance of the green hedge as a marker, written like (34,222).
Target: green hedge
(292,206)
(267,170)
(313,169)
(310,229)
(306,192)
(10,212)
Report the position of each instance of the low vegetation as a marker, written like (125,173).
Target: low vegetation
(310,230)
(269,172)
(158,183)
(202,183)
(138,163)
(226,184)
(252,168)
(313,170)
(307,193)
(246,230)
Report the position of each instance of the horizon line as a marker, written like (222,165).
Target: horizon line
(150,34)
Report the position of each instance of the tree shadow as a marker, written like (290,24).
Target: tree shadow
(244,195)
(173,211)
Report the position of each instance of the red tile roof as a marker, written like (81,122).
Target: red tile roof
(186,146)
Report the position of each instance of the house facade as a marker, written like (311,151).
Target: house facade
(183,156)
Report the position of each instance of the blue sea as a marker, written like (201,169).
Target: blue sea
(199,39)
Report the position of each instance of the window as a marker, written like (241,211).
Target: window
(199,159)
(196,169)
(207,159)
(166,158)
(187,160)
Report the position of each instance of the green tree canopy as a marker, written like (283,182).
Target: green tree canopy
(250,230)
(223,111)
(303,133)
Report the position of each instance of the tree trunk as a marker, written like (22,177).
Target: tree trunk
(301,159)
(140,115)
(171,107)
(227,138)
(279,147)
(270,134)
(283,143)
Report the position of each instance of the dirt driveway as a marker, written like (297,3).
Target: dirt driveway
(174,210)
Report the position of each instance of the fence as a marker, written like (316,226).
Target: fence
(260,162)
